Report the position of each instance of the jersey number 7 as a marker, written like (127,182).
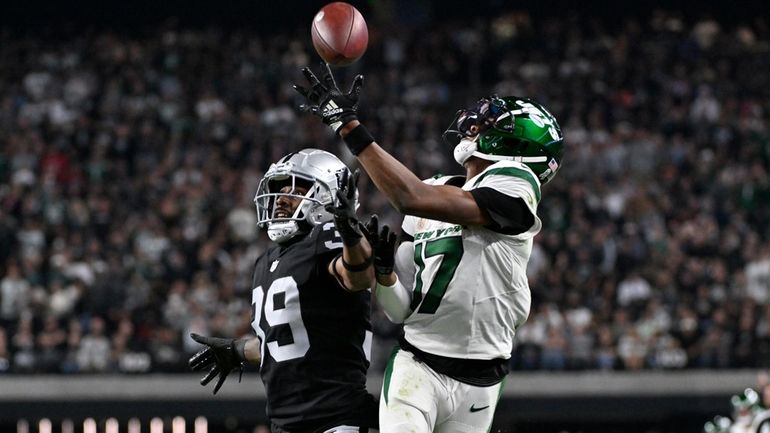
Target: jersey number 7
(451,250)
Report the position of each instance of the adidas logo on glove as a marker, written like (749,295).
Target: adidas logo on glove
(331,109)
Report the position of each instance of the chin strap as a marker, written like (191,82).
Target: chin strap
(521,159)
(467,148)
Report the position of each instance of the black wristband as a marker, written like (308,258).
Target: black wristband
(239,347)
(359,267)
(358,139)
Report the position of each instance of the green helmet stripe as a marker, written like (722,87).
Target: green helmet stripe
(513,172)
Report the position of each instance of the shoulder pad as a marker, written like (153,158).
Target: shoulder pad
(503,170)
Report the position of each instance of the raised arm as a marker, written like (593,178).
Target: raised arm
(353,268)
(408,194)
(393,294)
(403,188)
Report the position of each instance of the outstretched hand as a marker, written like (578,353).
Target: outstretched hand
(383,242)
(326,100)
(344,209)
(220,356)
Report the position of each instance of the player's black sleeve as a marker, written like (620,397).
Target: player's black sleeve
(509,215)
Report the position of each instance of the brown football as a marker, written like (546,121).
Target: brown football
(339,34)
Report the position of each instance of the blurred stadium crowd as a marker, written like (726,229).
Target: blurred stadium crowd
(128,165)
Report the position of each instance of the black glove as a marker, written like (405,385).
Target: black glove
(344,210)
(383,242)
(222,355)
(326,100)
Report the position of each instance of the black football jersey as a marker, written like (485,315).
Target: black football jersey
(315,337)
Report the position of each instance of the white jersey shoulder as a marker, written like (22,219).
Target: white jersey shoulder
(470,291)
(513,179)
(407,226)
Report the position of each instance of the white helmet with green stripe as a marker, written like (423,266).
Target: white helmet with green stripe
(509,128)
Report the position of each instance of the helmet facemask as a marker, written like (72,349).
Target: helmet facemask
(307,212)
(468,124)
(314,170)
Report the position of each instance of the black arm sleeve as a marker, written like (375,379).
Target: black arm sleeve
(509,215)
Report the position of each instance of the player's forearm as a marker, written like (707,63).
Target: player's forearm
(411,196)
(393,293)
(393,179)
(402,187)
(251,351)
(394,298)
(404,266)
(358,253)
(356,256)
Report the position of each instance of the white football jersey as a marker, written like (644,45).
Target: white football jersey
(470,291)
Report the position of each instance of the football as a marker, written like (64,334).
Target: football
(339,34)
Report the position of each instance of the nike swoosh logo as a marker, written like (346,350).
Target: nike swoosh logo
(476,409)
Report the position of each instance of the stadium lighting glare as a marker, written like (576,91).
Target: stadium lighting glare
(67,426)
(22,426)
(44,426)
(201,425)
(89,425)
(111,426)
(134,425)
(177,425)
(156,425)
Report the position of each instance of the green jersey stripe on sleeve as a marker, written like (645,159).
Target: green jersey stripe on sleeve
(513,172)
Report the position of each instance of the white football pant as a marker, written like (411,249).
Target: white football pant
(416,399)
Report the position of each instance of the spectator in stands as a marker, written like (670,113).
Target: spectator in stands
(14,294)
(50,345)
(93,354)
(69,363)
(5,355)
(23,346)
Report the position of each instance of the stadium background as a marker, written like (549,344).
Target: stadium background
(132,137)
